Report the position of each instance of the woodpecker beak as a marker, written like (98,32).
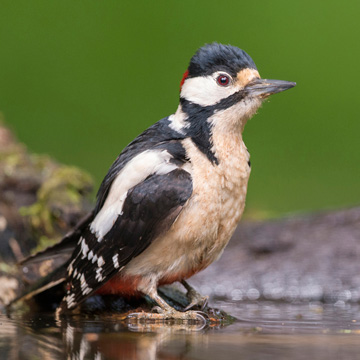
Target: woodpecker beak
(265,87)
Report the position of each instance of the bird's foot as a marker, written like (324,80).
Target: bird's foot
(194,297)
(165,312)
(168,314)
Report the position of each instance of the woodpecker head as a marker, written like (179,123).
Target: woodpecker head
(219,92)
(224,77)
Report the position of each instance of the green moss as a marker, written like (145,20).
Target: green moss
(67,183)
(61,193)
(7,269)
(44,242)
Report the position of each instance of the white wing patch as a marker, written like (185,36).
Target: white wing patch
(135,171)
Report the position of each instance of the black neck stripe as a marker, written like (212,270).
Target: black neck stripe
(200,129)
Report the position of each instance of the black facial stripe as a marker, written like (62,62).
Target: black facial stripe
(200,130)
(191,108)
(229,101)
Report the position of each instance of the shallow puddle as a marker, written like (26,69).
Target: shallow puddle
(263,330)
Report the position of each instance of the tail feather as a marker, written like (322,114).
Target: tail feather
(57,277)
(61,252)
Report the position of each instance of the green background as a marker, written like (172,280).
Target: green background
(80,79)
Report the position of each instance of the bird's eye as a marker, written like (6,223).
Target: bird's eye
(223,80)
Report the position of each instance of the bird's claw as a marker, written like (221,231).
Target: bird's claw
(157,310)
(196,299)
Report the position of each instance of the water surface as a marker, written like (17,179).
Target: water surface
(264,330)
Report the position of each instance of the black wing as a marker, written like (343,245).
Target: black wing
(150,208)
(156,134)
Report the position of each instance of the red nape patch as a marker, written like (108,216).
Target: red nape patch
(186,74)
(121,285)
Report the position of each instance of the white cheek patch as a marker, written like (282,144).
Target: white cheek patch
(204,90)
(135,171)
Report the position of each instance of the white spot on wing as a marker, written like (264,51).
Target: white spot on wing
(100,261)
(98,275)
(116,261)
(90,255)
(94,259)
(135,171)
(85,289)
(84,248)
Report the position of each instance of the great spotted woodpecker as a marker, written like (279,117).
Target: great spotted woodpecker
(174,196)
